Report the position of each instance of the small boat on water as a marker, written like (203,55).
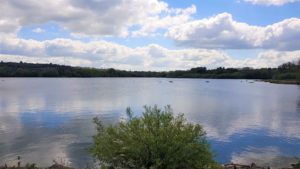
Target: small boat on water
(207,81)
(171,81)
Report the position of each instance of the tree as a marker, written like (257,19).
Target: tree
(49,72)
(156,140)
(198,70)
(287,66)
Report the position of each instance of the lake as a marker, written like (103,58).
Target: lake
(46,119)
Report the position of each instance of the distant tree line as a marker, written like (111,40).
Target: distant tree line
(287,71)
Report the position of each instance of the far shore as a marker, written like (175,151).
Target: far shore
(295,82)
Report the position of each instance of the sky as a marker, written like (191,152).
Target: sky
(151,34)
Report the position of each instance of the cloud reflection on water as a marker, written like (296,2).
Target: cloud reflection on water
(46,119)
(266,156)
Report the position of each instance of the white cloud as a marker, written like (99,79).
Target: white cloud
(14,46)
(8,25)
(222,32)
(150,57)
(173,16)
(106,54)
(271,2)
(92,17)
(267,58)
(38,30)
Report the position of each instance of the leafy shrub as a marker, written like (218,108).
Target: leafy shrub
(156,140)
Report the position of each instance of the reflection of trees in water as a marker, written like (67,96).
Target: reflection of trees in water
(298,105)
(298,101)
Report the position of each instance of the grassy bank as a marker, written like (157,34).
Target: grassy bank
(225,166)
(33,166)
(295,82)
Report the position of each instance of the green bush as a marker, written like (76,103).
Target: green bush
(156,140)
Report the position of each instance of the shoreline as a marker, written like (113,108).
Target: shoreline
(220,166)
(292,82)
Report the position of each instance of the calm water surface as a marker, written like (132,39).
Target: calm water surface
(51,119)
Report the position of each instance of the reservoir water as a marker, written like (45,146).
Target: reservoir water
(46,119)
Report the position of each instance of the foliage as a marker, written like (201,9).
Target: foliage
(286,71)
(31,166)
(156,140)
(296,166)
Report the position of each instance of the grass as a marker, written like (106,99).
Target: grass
(295,82)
